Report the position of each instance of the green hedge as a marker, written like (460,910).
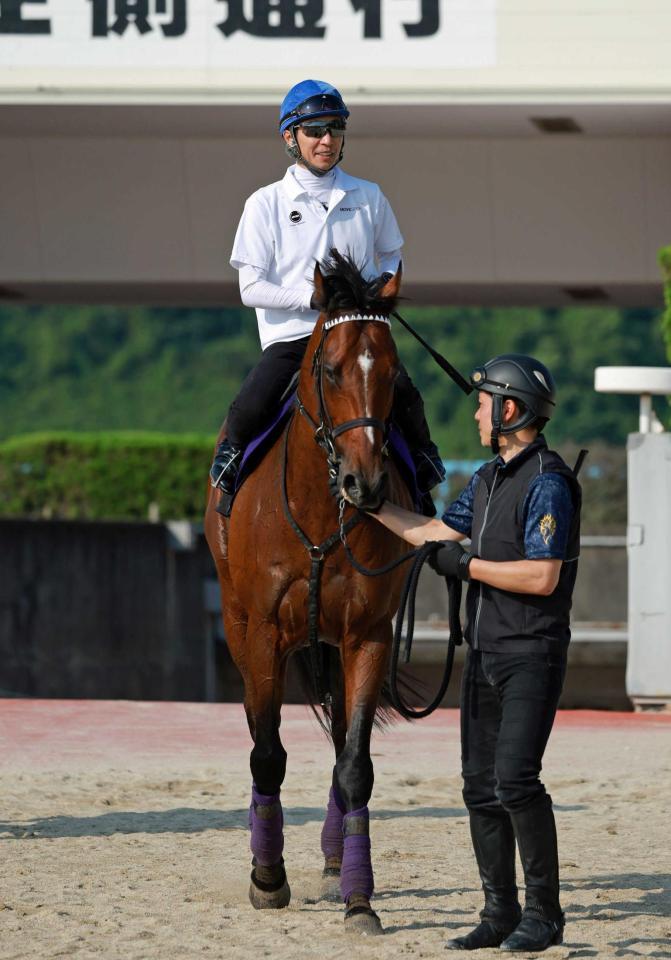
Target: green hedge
(104,475)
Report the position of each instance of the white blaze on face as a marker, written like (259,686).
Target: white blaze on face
(366,361)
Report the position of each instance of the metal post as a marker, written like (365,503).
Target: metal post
(645,413)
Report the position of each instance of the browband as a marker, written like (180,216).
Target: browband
(348,318)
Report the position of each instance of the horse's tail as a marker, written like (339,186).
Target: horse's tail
(412,689)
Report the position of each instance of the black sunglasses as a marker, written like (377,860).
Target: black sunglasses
(318,129)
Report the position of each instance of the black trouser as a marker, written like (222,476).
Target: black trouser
(264,385)
(508,706)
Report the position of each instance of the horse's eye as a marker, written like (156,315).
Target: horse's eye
(330,373)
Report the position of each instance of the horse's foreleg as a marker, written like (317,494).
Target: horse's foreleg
(332,829)
(264,684)
(365,665)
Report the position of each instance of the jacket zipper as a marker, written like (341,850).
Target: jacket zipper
(482,530)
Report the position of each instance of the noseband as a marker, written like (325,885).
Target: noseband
(325,431)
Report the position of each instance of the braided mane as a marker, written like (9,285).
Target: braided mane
(346,288)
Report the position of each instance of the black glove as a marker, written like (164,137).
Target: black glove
(451,560)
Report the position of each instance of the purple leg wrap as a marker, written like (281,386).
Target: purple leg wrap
(332,839)
(356,874)
(266,821)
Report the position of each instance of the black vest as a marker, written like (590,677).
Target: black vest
(499,620)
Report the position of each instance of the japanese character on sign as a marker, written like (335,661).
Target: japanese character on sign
(426,26)
(275,18)
(300,18)
(137,12)
(259,18)
(12,21)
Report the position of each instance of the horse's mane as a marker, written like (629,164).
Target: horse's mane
(347,289)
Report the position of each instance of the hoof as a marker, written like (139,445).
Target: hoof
(330,881)
(363,921)
(269,896)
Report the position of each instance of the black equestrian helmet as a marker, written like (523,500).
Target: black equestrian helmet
(520,378)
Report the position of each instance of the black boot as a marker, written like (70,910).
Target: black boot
(494,847)
(409,416)
(429,467)
(542,923)
(225,466)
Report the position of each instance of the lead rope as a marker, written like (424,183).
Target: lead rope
(408,599)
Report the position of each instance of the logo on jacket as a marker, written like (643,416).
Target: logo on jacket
(295,216)
(548,528)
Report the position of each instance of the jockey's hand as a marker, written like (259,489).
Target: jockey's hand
(451,560)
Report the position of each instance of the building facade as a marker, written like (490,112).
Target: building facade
(525,144)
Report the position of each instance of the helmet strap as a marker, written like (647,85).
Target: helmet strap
(294,152)
(497,420)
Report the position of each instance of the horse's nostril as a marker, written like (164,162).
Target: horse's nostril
(349,483)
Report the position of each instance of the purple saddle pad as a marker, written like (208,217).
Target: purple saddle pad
(259,446)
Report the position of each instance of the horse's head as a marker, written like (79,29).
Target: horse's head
(354,366)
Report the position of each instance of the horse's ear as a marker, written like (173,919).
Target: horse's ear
(392,287)
(319,298)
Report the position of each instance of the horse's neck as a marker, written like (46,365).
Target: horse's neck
(307,476)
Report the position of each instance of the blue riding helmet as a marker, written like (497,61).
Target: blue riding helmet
(310,99)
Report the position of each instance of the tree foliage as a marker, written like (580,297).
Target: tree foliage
(665,264)
(176,370)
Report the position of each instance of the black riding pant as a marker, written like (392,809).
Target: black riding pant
(265,384)
(508,706)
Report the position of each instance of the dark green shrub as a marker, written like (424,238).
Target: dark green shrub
(104,475)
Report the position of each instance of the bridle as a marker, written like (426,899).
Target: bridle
(325,432)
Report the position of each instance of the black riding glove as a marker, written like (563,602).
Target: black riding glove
(451,560)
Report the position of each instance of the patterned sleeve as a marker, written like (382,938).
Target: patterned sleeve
(459,514)
(548,511)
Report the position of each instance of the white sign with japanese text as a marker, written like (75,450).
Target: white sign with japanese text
(306,36)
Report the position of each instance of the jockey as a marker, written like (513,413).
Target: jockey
(284,229)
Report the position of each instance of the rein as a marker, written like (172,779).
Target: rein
(408,598)
(324,434)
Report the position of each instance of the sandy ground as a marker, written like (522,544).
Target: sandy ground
(123,835)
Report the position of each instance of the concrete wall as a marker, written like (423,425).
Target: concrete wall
(100,610)
(95,218)
(121,610)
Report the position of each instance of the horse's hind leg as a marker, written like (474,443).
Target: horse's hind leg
(365,666)
(264,683)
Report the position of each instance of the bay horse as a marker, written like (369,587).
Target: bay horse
(344,399)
